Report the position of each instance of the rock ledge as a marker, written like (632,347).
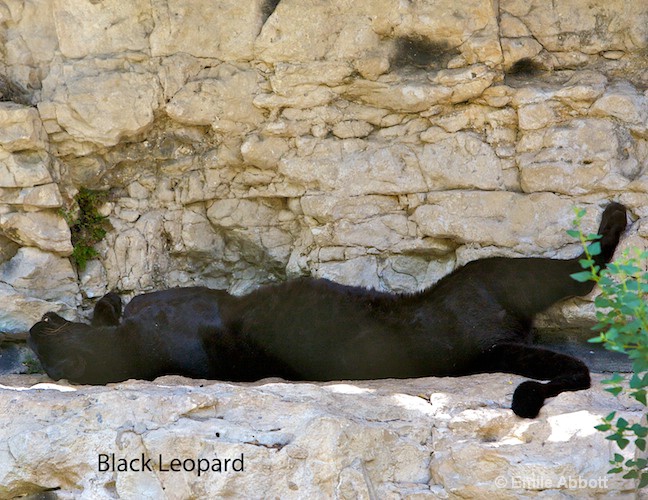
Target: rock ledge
(423,438)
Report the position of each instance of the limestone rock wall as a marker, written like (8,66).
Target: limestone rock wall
(374,142)
(412,439)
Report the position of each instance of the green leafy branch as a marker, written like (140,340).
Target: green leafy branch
(622,323)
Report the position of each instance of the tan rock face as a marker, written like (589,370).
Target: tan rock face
(95,29)
(45,230)
(501,219)
(225,30)
(125,107)
(24,169)
(373,142)
(572,27)
(426,438)
(22,128)
(226,94)
(35,273)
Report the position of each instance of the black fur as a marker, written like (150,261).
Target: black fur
(477,319)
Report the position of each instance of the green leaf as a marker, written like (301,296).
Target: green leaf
(615,391)
(640,365)
(586,263)
(602,302)
(640,463)
(639,430)
(629,268)
(635,381)
(640,396)
(643,482)
(613,347)
(622,423)
(595,248)
(582,277)
(641,444)
(616,378)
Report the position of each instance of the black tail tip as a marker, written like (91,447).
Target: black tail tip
(614,219)
(614,207)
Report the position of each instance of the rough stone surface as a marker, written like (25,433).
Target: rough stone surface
(22,128)
(40,274)
(17,357)
(487,219)
(25,169)
(128,101)
(95,29)
(383,439)
(20,311)
(42,229)
(231,33)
